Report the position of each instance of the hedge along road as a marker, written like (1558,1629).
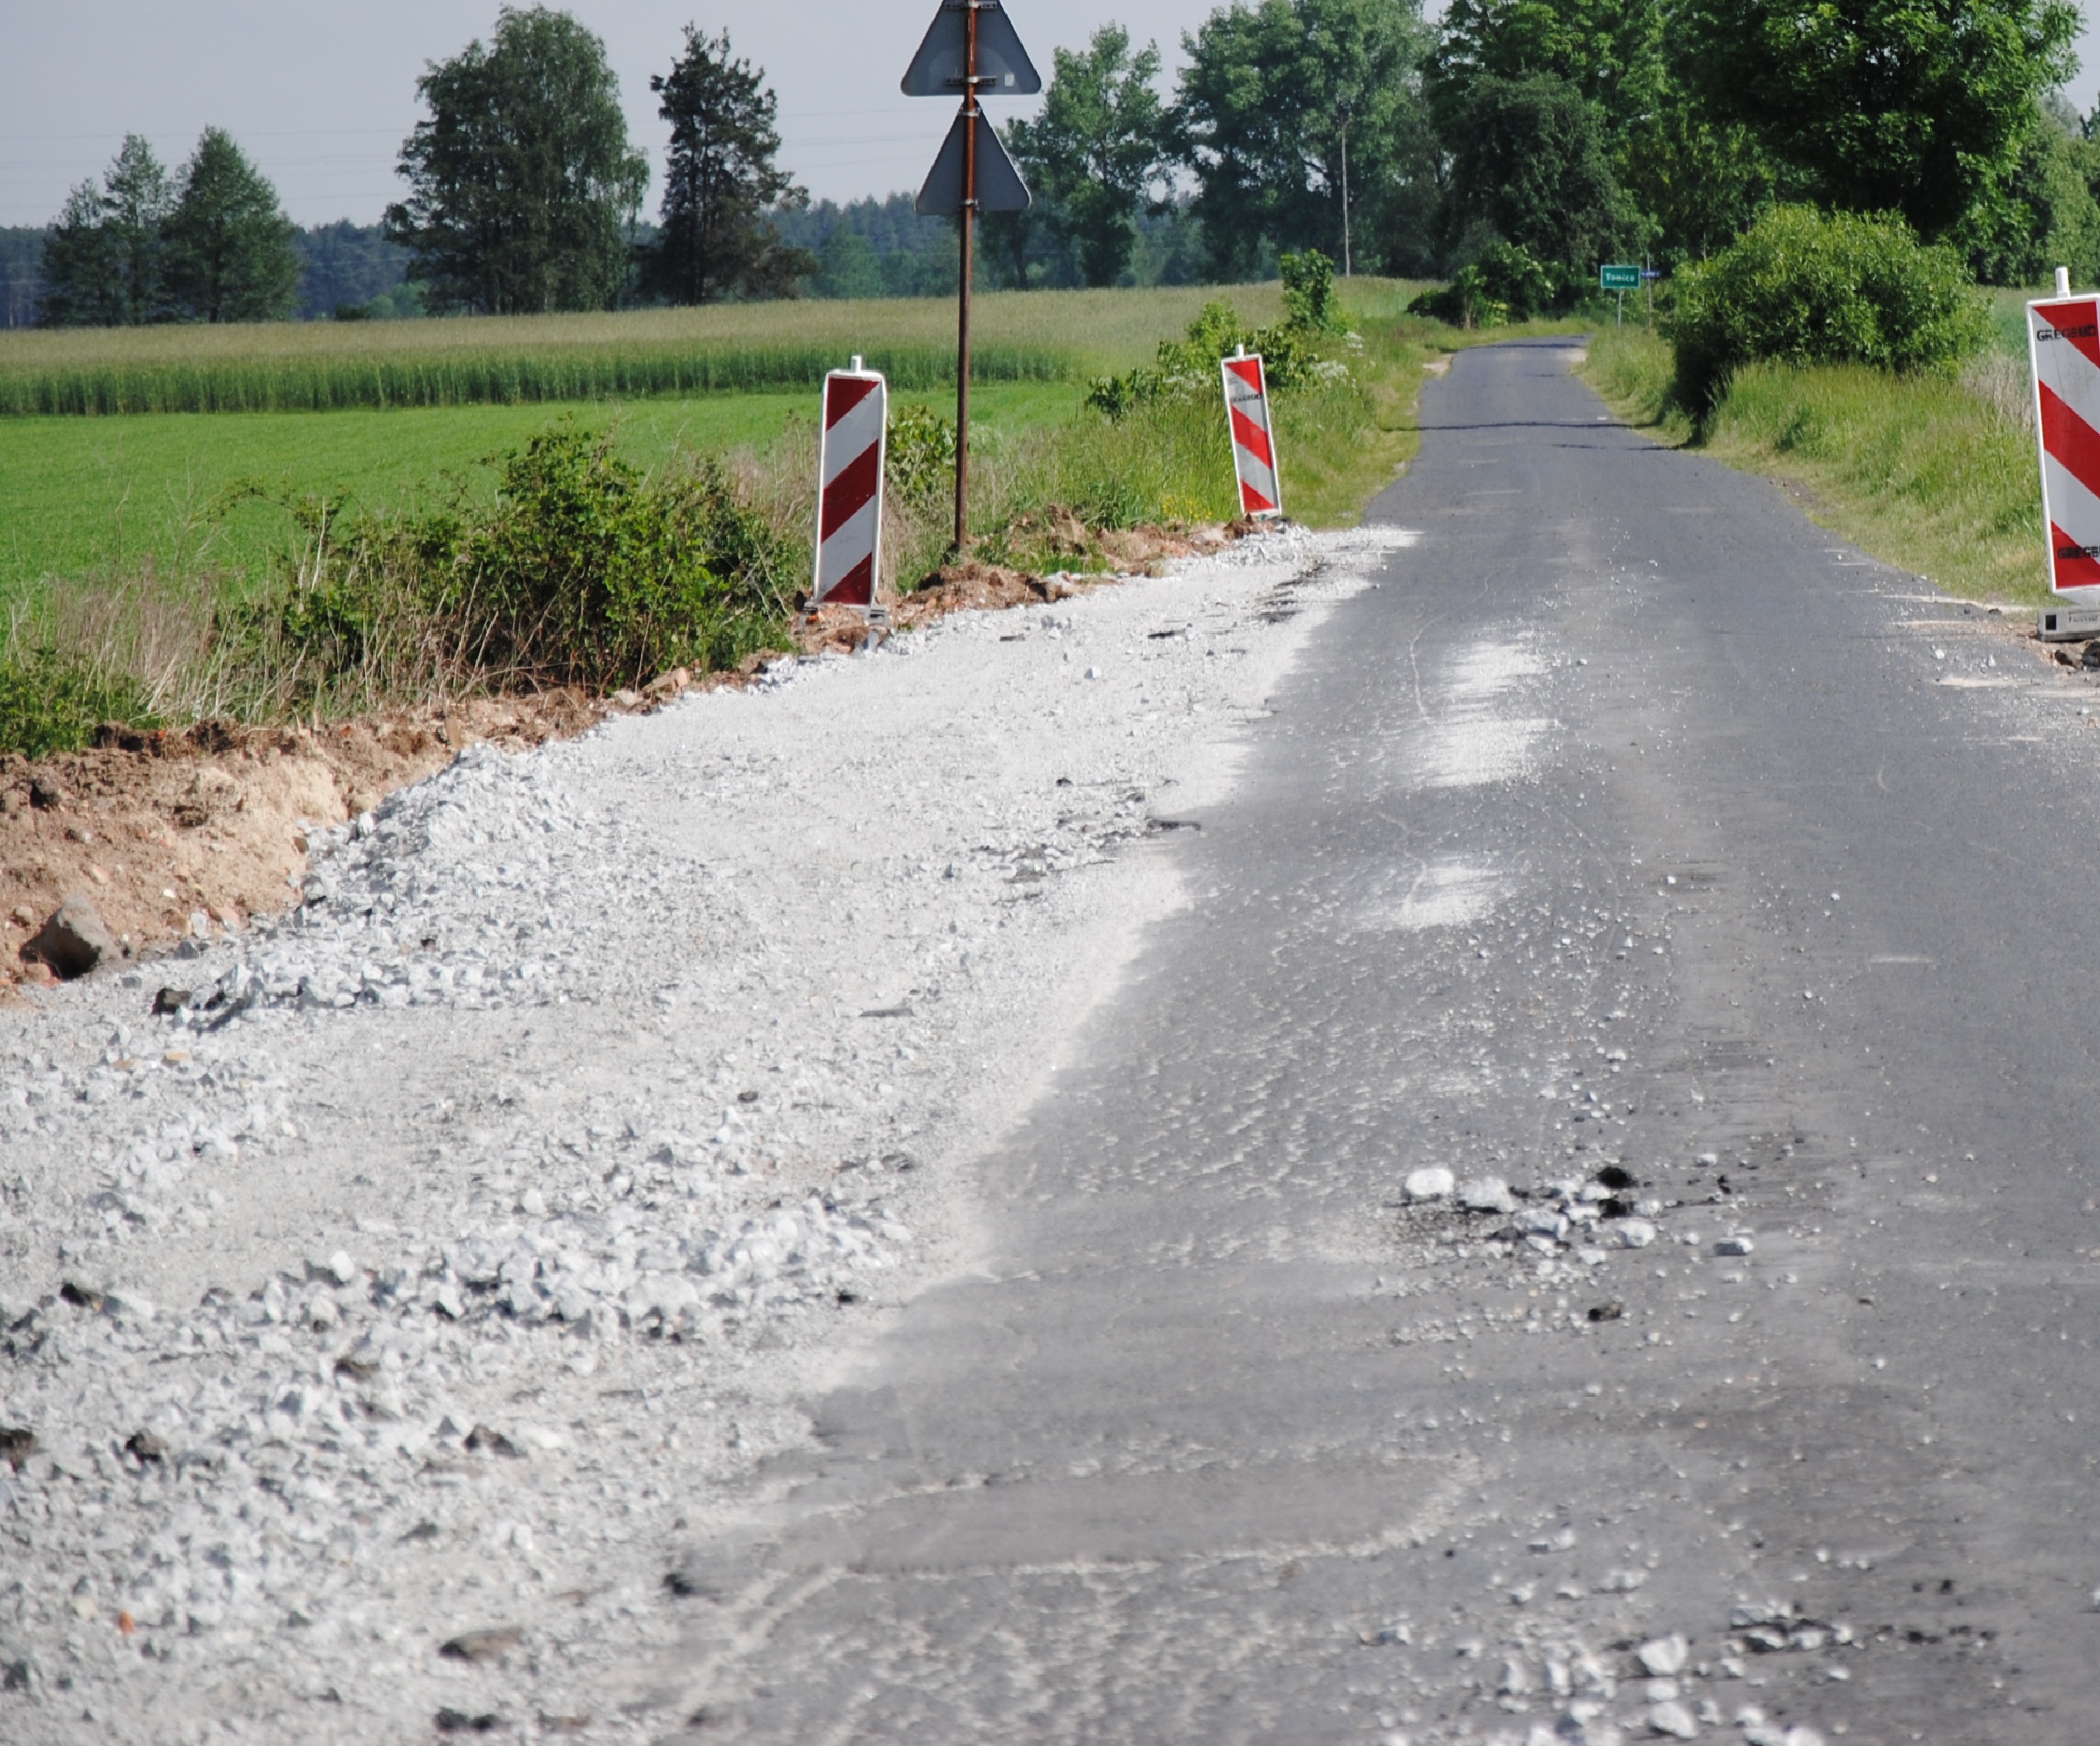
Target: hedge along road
(1629,823)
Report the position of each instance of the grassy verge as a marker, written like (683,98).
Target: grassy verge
(1938,476)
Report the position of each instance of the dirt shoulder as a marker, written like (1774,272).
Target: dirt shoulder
(192,831)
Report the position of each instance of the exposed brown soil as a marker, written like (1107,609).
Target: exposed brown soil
(154,828)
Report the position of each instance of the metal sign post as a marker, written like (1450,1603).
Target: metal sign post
(971,45)
(1622,278)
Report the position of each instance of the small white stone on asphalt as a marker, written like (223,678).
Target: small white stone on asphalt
(1432,1184)
(1672,1720)
(1663,1657)
(1487,1194)
(1734,1243)
(1636,1233)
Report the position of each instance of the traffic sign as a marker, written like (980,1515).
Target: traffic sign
(848,488)
(1254,444)
(940,68)
(1619,278)
(999,186)
(971,47)
(2063,347)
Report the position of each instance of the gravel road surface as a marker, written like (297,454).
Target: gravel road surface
(1579,1228)
(377,1318)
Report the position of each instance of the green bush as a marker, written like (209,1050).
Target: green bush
(582,570)
(49,704)
(1803,287)
(920,454)
(1290,351)
(1502,283)
(1308,293)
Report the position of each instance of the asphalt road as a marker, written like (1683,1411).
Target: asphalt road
(1632,818)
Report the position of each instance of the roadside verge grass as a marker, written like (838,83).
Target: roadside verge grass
(1936,475)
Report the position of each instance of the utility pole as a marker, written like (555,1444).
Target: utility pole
(1346,261)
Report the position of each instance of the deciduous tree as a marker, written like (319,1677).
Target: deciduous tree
(1529,166)
(1920,106)
(229,246)
(1099,151)
(1268,99)
(521,179)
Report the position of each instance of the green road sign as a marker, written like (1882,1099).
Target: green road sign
(1619,278)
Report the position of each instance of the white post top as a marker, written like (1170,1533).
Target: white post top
(2063,281)
(856,363)
(1239,350)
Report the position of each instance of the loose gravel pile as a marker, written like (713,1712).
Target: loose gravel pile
(385,1289)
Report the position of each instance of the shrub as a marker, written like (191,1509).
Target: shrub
(1188,367)
(1308,293)
(1803,287)
(583,570)
(1502,283)
(49,704)
(921,453)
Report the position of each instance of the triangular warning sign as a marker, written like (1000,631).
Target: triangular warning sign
(999,186)
(1004,69)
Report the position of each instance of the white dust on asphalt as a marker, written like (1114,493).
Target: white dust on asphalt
(374,1324)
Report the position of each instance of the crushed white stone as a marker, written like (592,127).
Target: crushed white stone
(472,1229)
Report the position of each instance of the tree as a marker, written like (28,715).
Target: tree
(521,181)
(105,262)
(1920,106)
(1098,150)
(1698,183)
(719,183)
(77,269)
(229,246)
(1609,50)
(1530,167)
(1271,99)
(2044,215)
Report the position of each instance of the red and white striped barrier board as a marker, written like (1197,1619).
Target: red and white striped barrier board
(1254,444)
(849,498)
(2064,341)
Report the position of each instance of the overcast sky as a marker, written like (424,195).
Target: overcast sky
(322,94)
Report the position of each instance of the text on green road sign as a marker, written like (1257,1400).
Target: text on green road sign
(1619,278)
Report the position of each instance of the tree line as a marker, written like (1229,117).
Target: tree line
(1567,131)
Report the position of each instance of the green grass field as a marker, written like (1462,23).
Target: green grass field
(87,496)
(204,492)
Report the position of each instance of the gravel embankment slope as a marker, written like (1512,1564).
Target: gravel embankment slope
(375,1323)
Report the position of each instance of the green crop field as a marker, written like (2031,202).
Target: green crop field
(1056,335)
(82,497)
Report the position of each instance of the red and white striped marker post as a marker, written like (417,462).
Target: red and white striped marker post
(2063,344)
(849,497)
(1253,442)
